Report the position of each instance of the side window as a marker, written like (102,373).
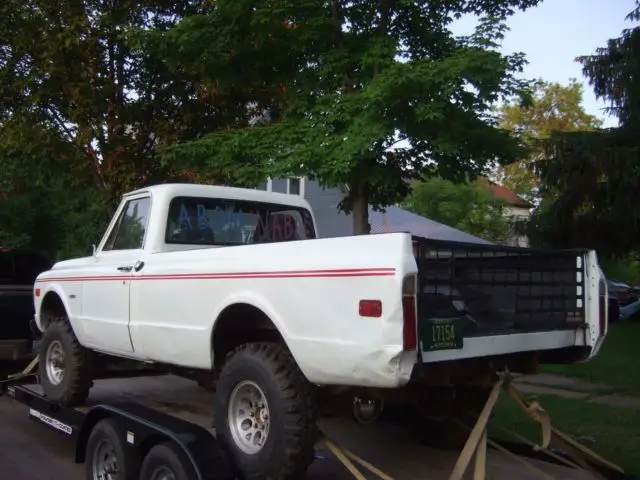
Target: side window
(128,232)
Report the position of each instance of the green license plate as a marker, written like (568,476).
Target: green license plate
(441,334)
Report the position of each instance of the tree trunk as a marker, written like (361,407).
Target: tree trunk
(360,209)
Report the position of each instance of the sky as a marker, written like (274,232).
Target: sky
(555,32)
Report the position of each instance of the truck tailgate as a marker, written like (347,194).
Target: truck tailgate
(473,290)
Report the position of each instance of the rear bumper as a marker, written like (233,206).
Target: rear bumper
(477,347)
(16,349)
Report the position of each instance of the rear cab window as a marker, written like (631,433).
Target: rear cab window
(226,222)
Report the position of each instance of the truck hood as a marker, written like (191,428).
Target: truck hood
(73,263)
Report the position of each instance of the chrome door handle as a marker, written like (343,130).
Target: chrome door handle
(125,268)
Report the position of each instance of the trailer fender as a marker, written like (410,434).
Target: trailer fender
(144,427)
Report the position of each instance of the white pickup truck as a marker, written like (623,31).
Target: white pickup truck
(234,281)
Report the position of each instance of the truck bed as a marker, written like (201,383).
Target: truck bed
(389,448)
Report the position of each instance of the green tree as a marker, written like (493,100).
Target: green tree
(85,69)
(554,108)
(48,201)
(469,207)
(357,77)
(592,178)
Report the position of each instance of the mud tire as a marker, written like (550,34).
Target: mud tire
(289,448)
(77,379)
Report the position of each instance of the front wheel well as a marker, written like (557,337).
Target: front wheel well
(239,324)
(52,309)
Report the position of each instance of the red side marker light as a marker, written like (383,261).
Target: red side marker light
(370,308)
(36,292)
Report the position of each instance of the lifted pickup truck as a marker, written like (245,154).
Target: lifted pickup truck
(236,282)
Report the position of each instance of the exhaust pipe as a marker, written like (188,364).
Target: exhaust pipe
(367,409)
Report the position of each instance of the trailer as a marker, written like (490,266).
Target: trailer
(160,427)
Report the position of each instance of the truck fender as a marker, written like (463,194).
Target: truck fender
(55,289)
(256,301)
(249,298)
(143,428)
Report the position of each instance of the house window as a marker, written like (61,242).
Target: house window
(294,186)
(266,186)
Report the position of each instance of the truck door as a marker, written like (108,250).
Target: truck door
(106,287)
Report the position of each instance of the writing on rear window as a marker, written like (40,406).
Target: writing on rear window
(212,221)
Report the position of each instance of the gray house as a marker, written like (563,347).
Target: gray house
(333,223)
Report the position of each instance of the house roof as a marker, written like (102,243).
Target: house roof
(398,220)
(507,195)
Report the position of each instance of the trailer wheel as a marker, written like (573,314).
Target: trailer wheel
(65,366)
(107,456)
(265,413)
(166,461)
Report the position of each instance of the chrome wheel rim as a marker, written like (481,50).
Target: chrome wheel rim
(105,462)
(248,417)
(55,362)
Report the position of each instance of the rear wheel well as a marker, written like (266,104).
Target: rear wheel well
(239,324)
(52,309)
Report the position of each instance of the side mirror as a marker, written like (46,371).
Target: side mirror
(93,250)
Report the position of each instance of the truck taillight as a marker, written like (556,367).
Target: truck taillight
(409,326)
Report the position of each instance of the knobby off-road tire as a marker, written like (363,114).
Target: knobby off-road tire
(291,434)
(65,367)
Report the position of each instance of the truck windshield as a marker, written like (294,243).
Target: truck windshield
(215,221)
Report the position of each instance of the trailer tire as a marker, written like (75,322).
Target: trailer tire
(166,459)
(69,379)
(268,371)
(106,448)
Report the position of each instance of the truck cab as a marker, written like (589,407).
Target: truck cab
(103,290)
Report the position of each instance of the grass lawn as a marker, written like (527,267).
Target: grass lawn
(617,365)
(612,432)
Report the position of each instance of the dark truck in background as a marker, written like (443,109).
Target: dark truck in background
(18,333)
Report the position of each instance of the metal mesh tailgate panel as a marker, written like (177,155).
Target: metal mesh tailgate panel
(496,289)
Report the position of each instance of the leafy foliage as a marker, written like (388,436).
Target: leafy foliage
(554,108)
(355,79)
(48,202)
(469,207)
(613,72)
(594,176)
(85,69)
(86,98)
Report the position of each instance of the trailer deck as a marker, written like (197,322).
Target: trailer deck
(389,447)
